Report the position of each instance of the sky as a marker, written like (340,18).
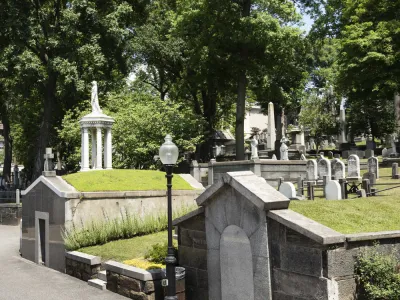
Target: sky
(308,22)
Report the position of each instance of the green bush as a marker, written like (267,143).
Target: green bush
(378,276)
(128,226)
(157,253)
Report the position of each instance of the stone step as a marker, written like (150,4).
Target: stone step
(102,275)
(97,283)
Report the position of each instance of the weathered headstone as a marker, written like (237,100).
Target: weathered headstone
(338,169)
(324,168)
(371,177)
(369,153)
(345,154)
(312,173)
(395,171)
(274,157)
(333,190)
(385,152)
(373,166)
(288,189)
(353,167)
(271,138)
(330,154)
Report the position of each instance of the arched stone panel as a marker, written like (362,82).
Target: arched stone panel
(236,264)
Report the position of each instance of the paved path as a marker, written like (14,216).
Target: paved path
(21,279)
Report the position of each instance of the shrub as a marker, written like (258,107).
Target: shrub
(378,275)
(128,226)
(157,253)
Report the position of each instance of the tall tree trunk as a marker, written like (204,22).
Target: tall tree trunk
(241,99)
(7,144)
(45,127)
(240,115)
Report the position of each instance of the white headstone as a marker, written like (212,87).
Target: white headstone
(324,168)
(338,169)
(288,189)
(333,190)
(312,174)
(353,167)
(254,148)
(274,157)
(373,166)
(271,138)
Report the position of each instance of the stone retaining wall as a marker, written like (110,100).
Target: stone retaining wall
(192,253)
(133,282)
(82,266)
(10,213)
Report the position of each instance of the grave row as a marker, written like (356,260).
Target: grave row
(335,168)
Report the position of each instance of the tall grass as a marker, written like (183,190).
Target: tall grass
(128,226)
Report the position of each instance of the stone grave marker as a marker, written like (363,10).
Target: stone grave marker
(274,157)
(395,171)
(353,167)
(345,154)
(373,166)
(302,157)
(336,156)
(312,173)
(369,153)
(385,152)
(288,190)
(324,168)
(338,169)
(371,177)
(333,190)
(330,154)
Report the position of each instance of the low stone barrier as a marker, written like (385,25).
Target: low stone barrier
(133,282)
(10,213)
(81,265)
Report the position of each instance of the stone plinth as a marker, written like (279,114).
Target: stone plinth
(94,123)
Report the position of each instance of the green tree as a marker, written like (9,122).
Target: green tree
(316,115)
(58,48)
(141,122)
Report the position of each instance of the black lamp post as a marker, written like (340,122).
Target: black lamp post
(169,154)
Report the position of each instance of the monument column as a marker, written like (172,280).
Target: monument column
(271,127)
(342,117)
(85,150)
(94,148)
(99,163)
(107,149)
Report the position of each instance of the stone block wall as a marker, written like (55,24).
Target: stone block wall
(133,282)
(297,264)
(82,266)
(10,213)
(193,256)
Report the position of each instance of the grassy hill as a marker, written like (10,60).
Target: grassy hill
(124,180)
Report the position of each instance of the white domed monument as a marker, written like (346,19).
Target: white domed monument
(93,124)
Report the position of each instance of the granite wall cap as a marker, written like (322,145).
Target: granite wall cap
(132,272)
(188,216)
(252,187)
(83,257)
(310,228)
(371,236)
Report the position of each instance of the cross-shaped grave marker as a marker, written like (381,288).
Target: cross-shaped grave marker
(48,163)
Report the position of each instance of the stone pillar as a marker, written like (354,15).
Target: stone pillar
(85,150)
(271,138)
(99,162)
(94,148)
(342,117)
(107,149)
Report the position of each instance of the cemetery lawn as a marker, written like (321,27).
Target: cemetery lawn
(124,180)
(128,249)
(372,214)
